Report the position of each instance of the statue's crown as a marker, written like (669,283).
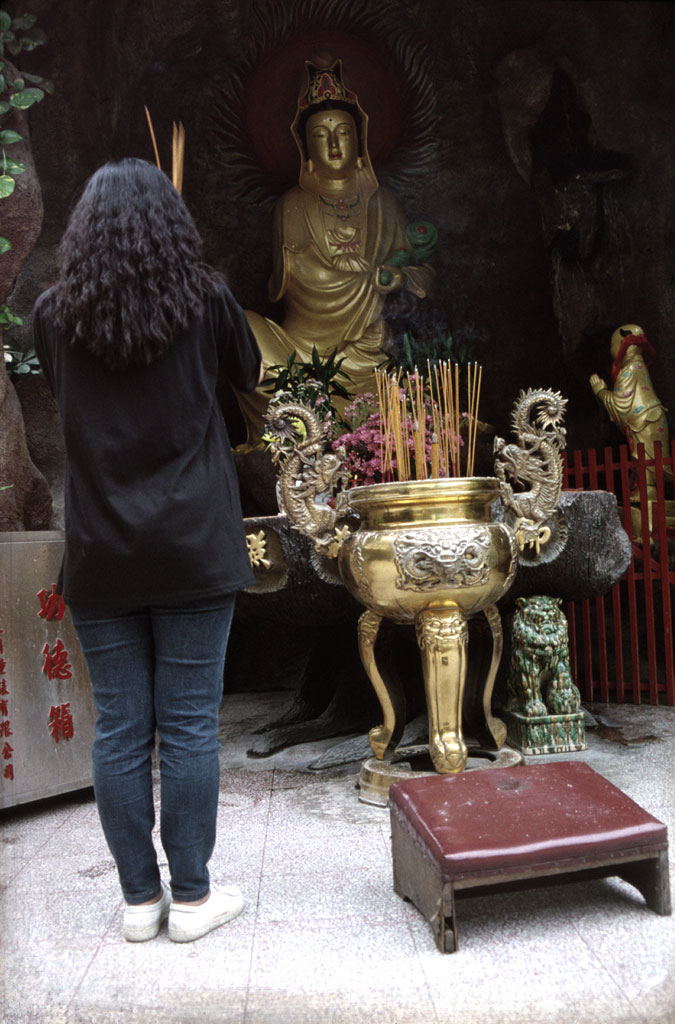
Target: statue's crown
(324,90)
(325,84)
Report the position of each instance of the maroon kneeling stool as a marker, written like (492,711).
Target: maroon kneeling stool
(503,828)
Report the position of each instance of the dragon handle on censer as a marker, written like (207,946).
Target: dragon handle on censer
(537,420)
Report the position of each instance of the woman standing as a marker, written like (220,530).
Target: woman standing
(132,340)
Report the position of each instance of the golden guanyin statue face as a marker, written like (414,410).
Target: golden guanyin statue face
(332,143)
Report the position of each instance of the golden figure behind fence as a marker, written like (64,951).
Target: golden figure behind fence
(631,402)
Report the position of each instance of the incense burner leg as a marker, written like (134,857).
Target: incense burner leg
(495,726)
(383,738)
(443,637)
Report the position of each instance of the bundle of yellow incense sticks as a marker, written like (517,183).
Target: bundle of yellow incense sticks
(177,151)
(410,406)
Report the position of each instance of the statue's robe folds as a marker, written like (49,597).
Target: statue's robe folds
(635,409)
(328,284)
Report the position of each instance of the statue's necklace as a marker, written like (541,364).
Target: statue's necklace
(344,231)
(342,208)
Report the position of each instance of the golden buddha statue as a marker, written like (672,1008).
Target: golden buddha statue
(333,234)
(631,402)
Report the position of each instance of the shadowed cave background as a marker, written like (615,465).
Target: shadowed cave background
(536,136)
(545,160)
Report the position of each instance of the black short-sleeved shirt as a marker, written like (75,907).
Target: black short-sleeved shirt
(152,508)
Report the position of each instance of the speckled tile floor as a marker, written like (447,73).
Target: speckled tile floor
(324,939)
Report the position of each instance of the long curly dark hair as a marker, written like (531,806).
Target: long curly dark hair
(131,274)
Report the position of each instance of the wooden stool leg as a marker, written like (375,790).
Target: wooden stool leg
(417,880)
(448,937)
(651,878)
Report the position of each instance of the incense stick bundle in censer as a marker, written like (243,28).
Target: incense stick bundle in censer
(177,151)
(420,422)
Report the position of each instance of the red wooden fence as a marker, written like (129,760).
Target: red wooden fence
(621,645)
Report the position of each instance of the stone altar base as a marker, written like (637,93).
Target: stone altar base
(376,777)
(545,734)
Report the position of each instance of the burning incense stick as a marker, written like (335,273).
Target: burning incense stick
(383,425)
(474,396)
(177,155)
(152,136)
(435,458)
(458,451)
(419,423)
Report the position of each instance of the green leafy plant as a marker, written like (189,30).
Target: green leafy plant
(411,354)
(294,372)
(16,35)
(314,382)
(19,362)
(16,360)
(9,319)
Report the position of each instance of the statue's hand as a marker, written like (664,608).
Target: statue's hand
(597,383)
(388,279)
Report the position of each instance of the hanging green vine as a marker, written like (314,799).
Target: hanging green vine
(16,35)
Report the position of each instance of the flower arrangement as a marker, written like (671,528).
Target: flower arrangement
(361,443)
(412,429)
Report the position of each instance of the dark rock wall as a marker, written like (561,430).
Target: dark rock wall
(537,136)
(25,498)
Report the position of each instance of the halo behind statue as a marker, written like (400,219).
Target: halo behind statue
(251,118)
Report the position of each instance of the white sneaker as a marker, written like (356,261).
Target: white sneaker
(143,923)
(187,923)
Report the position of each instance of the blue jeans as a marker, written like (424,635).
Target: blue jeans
(157,669)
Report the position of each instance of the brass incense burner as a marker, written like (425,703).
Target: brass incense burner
(426,552)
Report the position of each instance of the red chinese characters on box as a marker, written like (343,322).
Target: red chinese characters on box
(61,722)
(7,769)
(52,605)
(5,725)
(56,664)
